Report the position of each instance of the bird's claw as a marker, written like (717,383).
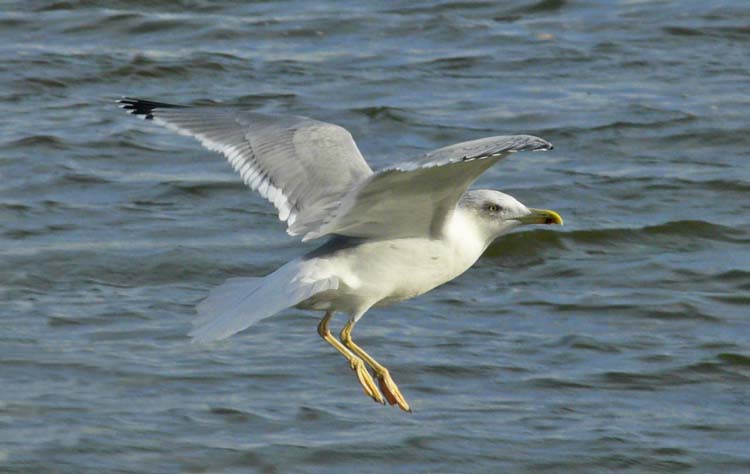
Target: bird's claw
(365,379)
(391,391)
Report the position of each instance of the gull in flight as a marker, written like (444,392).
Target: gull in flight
(392,234)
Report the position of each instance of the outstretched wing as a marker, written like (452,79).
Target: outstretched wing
(303,166)
(415,198)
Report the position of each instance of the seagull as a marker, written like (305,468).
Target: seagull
(392,234)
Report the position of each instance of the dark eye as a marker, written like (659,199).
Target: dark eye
(494,208)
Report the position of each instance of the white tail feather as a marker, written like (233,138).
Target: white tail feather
(241,302)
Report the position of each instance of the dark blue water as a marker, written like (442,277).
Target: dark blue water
(619,343)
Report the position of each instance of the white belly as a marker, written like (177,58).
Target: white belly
(388,271)
(407,268)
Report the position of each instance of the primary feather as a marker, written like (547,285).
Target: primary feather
(302,166)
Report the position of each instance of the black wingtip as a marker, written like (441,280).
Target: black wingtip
(144,108)
(539,144)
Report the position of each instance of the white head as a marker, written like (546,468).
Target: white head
(496,213)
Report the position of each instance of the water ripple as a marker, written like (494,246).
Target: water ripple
(618,342)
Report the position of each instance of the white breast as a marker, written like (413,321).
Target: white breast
(387,271)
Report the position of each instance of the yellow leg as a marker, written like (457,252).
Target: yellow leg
(357,365)
(387,385)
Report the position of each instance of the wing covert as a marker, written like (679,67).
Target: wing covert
(416,197)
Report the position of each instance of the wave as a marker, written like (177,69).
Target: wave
(48,141)
(724,32)
(720,368)
(527,243)
(394,114)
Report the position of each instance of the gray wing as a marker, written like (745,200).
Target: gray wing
(303,166)
(415,198)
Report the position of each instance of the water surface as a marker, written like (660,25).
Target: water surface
(619,343)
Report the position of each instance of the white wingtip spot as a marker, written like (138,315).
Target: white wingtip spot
(284,211)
